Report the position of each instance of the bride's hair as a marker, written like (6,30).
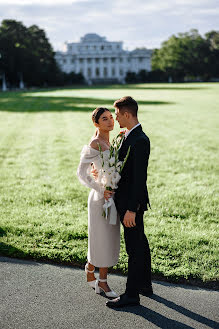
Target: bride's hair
(96,115)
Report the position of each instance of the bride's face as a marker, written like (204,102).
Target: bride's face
(106,121)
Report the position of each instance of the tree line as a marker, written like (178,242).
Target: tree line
(27,55)
(183,57)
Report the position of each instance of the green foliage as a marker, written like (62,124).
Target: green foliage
(43,213)
(188,55)
(145,76)
(27,53)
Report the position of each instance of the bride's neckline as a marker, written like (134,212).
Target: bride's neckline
(97,150)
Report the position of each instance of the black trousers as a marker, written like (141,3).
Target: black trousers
(139,256)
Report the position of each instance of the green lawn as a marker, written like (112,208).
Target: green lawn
(43,207)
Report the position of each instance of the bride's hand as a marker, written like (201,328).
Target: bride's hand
(108,194)
(94,172)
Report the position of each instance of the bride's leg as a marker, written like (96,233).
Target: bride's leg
(90,276)
(103,275)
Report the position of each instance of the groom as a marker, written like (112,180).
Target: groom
(131,199)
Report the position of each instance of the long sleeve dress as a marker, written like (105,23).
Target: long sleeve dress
(103,238)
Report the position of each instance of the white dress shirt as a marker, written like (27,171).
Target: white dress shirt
(128,131)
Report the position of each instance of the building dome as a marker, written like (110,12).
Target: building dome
(92,37)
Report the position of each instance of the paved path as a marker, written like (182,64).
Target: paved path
(35,295)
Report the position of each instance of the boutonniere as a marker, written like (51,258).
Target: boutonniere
(122,133)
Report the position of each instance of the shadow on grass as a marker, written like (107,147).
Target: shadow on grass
(22,103)
(7,250)
(144,86)
(152,87)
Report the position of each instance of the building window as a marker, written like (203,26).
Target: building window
(113,72)
(97,60)
(121,72)
(97,72)
(81,60)
(64,61)
(113,60)
(140,59)
(102,47)
(105,60)
(89,60)
(72,60)
(128,60)
(121,60)
(105,72)
(118,46)
(95,47)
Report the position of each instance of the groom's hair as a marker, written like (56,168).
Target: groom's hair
(127,104)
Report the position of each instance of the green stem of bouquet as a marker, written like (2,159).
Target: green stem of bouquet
(101,153)
(125,159)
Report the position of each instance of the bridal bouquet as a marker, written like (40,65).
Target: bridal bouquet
(110,172)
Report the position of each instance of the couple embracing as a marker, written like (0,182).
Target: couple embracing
(131,200)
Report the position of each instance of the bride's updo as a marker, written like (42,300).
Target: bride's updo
(96,115)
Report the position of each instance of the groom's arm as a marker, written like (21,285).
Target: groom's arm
(139,162)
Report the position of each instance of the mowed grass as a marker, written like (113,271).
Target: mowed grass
(43,207)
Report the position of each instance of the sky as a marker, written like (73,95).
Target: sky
(138,23)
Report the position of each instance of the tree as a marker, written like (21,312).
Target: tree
(212,38)
(27,52)
(185,55)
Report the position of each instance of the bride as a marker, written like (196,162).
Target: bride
(103,238)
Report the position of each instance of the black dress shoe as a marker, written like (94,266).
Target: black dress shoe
(146,291)
(123,300)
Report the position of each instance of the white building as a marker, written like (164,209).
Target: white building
(102,61)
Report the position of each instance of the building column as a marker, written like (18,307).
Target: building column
(117,68)
(85,69)
(93,73)
(101,68)
(109,68)
(77,65)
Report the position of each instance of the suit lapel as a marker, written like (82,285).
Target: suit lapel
(124,148)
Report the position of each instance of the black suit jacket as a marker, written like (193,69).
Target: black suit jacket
(132,193)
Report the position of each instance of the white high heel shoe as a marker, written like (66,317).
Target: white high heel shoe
(90,283)
(98,289)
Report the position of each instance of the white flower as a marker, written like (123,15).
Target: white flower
(105,156)
(98,165)
(106,165)
(119,164)
(117,177)
(111,170)
(112,161)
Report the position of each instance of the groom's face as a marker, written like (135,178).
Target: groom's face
(120,117)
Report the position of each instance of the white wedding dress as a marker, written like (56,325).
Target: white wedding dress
(103,238)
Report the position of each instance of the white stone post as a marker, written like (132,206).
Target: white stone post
(21,83)
(4,85)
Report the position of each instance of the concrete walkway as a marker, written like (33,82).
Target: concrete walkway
(36,295)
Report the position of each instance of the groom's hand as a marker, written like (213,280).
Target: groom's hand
(129,219)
